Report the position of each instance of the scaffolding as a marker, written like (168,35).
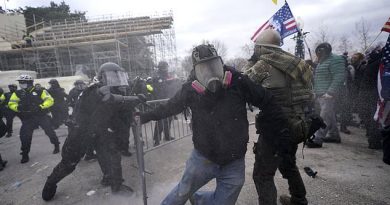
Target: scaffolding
(62,48)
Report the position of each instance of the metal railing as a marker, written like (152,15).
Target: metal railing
(176,127)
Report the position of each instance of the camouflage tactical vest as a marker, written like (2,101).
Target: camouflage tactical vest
(290,80)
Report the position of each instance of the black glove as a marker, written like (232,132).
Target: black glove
(144,117)
(142,98)
(36,108)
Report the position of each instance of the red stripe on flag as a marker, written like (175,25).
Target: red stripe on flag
(292,22)
(386,27)
(291,28)
(289,21)
(258,30)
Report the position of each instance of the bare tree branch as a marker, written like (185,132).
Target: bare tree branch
(344,44)
(363,29)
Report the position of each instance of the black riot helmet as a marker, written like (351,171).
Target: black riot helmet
(208,67)
(111,74)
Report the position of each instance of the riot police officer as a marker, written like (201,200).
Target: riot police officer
(32,106)
(98,117)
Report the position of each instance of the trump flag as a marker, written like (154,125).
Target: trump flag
(283,21)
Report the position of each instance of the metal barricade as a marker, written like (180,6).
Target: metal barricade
(145,136)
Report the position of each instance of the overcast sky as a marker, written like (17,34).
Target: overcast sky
(234,21)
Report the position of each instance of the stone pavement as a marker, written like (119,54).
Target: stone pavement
(348,173)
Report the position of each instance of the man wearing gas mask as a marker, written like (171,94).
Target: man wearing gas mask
(217,96)
(100,114)
(31,106)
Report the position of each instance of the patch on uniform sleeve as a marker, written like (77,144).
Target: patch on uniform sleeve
(259,72)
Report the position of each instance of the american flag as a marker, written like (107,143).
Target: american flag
(386,27)
(383,106)
(283,21)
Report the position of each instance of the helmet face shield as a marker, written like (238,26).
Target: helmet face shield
(210,73)
(115,78)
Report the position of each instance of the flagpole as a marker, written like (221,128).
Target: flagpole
(372,42)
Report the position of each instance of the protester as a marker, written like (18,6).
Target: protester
(368,95)
(164,86)
(74,93)
(217,97)
(328,78)
(289,79)
(59,110)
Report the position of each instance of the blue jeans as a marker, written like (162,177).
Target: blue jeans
(199,171)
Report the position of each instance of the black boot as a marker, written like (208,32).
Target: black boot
(345,130)
(126,153)
(120,189)
(25,158)
(56,148)
(90,157)
(105,181)
(48,192)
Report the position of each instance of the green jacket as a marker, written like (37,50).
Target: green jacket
(329,75)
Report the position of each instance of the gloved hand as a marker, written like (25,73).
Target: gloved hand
(144,117)
(36,108)
(142,98)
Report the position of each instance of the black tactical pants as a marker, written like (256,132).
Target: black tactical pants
(266,163)
(386,145)
(9,117)
(60,114)
(109,158)
(372,127)
(162,126)
(29,124)
(73,150)
(124,136)
(3,128)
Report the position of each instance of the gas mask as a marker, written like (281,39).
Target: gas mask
(210,74)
